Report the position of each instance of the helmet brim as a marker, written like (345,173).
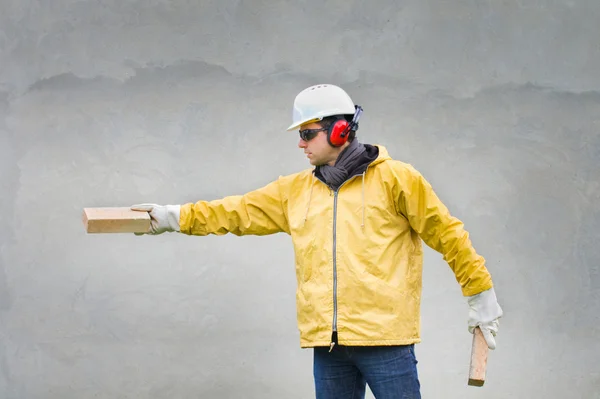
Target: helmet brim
(300,123)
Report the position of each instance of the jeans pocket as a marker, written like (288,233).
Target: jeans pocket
(411,349)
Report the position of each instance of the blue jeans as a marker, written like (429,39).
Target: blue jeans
(390,371)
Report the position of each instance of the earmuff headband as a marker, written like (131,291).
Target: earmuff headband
(354,124)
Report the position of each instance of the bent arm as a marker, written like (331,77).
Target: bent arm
(441,231)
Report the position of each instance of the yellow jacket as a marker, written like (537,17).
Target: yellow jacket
(358,250)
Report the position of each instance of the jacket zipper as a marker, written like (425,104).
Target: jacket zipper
(334,335)
(334,324)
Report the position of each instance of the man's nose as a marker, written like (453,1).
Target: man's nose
(302,144)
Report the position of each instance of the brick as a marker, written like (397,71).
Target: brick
(479,354)
(115,220)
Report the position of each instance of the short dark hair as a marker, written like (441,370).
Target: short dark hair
(329,120)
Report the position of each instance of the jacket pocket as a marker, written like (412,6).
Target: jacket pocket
(305,250)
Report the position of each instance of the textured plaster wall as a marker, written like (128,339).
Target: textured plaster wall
(110,103)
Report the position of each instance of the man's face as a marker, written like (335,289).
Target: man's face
(317,149)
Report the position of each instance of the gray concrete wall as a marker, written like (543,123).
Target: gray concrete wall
(117,102)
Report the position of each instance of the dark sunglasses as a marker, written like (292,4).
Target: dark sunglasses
(309,134)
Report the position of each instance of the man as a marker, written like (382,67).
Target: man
(356,220)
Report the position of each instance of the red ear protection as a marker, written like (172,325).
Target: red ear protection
(338,132)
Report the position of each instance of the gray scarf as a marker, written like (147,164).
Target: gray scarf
(335,175)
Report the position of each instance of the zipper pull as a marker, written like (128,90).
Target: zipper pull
(334,340)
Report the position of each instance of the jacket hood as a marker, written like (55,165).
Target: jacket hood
(382,154)
(372,155)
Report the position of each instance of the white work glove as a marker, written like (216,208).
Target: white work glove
(162,217)
(484,312)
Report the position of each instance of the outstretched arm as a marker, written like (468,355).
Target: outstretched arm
(259,212)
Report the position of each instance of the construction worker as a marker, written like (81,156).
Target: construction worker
(356,221)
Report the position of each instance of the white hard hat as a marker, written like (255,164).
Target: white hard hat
(317,102)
